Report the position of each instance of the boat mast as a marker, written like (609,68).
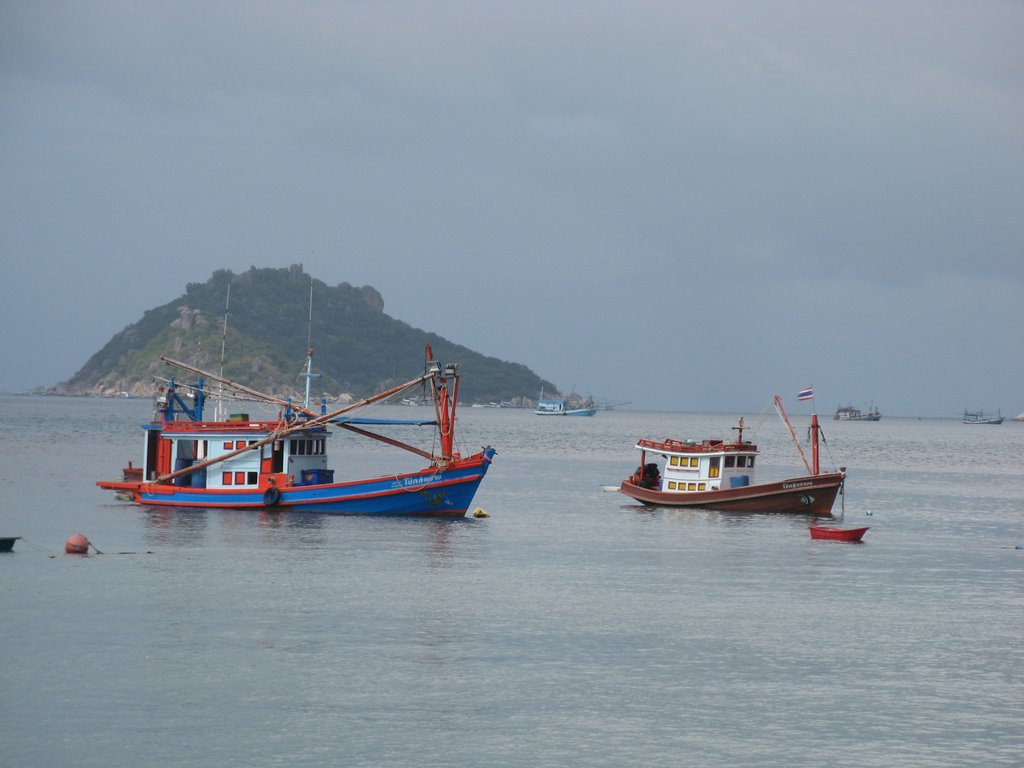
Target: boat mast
(445,401)
(814,443)
(739,429)
(218,414)
(309,348)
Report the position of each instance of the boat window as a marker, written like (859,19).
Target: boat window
(730,461)
(239,478)
(691,487)
(694,461)
(250,478)
(674,461)
(713,471)
(750,461)
(741,461)
(671,485)
(229,446)
(292,449)
(225,479)
(702,486)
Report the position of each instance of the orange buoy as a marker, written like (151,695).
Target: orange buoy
(77,545)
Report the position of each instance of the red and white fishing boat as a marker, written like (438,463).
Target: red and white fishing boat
(719,474)
(281,463)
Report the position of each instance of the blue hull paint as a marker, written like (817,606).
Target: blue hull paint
(446,492)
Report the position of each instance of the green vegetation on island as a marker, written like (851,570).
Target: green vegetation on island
(359,349)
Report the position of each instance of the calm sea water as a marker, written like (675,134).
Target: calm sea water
(571,628)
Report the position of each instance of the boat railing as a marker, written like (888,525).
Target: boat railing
(671,445)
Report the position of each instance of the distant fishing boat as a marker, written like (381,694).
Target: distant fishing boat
(849,413)
(281,464)
(7,543)
(719,474)
(562,407)
(981,417)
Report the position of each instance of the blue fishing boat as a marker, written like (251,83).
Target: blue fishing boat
(563,407)
(281,463)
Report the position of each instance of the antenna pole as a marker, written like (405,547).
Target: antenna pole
(309,346)
(219,410)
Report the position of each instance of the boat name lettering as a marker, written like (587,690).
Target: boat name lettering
(797,485)
(410,482)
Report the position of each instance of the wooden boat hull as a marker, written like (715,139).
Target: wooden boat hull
(446,492)
(809,495)
(832,533)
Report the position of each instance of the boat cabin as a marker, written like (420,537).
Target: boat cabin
(691,465)
(179,438)
(298,459)
(550,408)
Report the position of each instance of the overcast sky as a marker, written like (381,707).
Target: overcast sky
(687,205)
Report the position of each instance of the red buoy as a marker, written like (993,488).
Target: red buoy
(77,545)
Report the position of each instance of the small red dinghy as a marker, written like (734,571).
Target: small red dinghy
(838,534)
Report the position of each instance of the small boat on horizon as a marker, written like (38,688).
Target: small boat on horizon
(281,464)
(719,474)
(849,413)
(982,417)
(565,407)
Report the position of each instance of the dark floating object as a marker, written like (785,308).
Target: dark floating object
(7,543)
(838,534)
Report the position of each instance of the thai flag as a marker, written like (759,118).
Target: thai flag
(805,394)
